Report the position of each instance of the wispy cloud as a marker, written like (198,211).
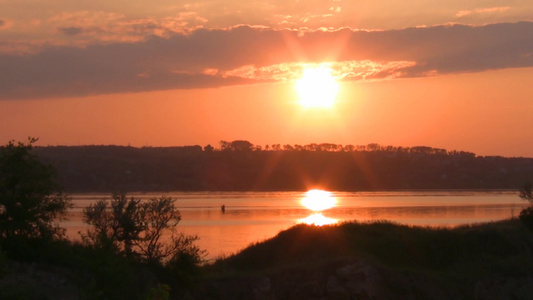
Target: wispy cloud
(71,30)
(90,27)
(488,10)
(244,55)
(341,70)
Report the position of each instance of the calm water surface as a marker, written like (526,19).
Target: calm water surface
(252,217)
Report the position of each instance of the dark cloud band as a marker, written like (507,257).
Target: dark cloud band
(201,58)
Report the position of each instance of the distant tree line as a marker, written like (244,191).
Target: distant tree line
(242,166)
(241,145)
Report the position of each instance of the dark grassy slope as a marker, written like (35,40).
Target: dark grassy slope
(390,244)
(353,260)
(383,260)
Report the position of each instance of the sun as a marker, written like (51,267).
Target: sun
(317,88)
(318,200)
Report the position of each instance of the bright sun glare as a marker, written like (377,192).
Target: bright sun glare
(318,200)
(317,88)
(318,219)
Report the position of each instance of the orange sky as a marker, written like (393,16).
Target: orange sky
(442,73)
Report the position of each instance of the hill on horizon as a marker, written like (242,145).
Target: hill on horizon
(242,166)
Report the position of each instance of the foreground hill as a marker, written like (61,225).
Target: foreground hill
(241,166)
(353,260)
(379,261)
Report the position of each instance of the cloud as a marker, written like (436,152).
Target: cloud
(246,55)
(341,70)
(91,27)
(488,10)
(71,30)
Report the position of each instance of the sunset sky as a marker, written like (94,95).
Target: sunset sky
(442,73)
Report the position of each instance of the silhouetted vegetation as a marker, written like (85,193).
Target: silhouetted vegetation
(526,193)
(30,195)
(387,243)
(139,229)
(33,268)
(240,165)
(526,215)
(124,257)
(382,260)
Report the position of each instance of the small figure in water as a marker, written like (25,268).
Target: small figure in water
(223,208)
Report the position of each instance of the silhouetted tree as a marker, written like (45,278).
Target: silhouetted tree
(526,215)
(158,217)
(30,197)
(311,147)
(373,147)
(225,145)
(137,228)
(526,193)
(118,227)
(102,234)
(240,145)
(288,147)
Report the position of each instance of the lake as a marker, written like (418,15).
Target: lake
(251,217)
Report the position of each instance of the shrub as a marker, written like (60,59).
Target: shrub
(526,215)
(137,229)
(30,196)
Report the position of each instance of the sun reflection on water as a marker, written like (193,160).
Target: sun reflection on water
(318,219)
(317,201)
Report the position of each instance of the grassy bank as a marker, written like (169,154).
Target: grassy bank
(391,245)
(353,260)
(385,260)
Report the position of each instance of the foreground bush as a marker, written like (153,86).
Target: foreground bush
(142,230)
(43,269)
(30,196)
(131,250)
(526,215)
